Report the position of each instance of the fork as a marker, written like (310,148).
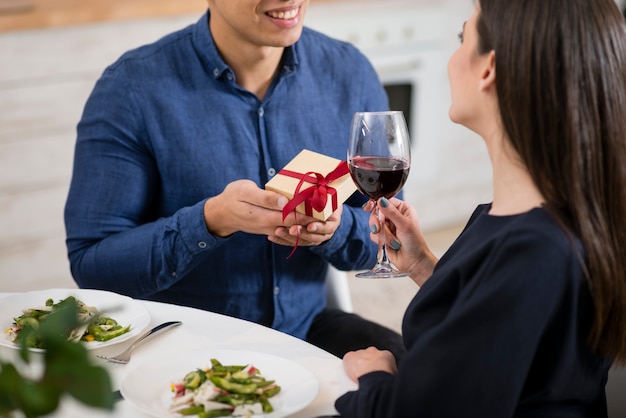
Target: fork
(124,356)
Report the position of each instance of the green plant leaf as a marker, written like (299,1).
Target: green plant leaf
(8,390)
(34,399)
(38,399)
(68,369)
(72,370)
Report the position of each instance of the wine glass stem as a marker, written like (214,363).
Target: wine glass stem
(382,239)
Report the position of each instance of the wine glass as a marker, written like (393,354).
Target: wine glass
(379,159)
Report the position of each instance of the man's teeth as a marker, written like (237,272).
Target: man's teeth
(284,15)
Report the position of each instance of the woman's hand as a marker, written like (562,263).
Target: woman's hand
(358,363)
(406,246)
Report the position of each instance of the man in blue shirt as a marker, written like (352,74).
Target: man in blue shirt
(174,147)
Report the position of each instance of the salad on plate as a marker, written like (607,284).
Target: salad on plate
(95,326)
(223,390)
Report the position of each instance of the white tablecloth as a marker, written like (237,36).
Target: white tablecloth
(202,329)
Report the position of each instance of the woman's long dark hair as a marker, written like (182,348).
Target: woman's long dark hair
(561,86)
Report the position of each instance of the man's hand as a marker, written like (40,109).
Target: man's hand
(243,206)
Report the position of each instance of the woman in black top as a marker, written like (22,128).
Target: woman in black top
(525,312)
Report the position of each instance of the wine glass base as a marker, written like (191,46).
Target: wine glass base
(381,272)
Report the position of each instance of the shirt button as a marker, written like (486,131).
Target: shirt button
(202,244)
(276,290)
(173,274)
(261,111)
(216,72)
(229,76)
(271,172)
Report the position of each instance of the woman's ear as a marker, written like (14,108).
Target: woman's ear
(488,74)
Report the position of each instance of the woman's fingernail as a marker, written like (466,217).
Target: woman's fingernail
(395,245)
(373,228)
(384,202)
(364,205)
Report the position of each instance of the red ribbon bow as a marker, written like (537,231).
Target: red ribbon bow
(315,196)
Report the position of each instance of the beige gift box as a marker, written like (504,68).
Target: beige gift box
(313,178)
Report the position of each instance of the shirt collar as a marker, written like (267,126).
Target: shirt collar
(212,60)
(290,59)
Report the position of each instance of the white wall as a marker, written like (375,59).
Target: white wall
(45,78)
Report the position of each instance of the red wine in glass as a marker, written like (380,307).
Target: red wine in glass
(376,177)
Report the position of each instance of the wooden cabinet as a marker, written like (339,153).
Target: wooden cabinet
(33,14)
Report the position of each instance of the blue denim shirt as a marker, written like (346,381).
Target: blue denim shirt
(166,127)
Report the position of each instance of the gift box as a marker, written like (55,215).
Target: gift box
(315,184)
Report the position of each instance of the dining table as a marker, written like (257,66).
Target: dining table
(204,330)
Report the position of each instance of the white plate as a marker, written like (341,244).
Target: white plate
(147,387)
(124,310)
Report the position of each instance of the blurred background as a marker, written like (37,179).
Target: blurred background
(53,51)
